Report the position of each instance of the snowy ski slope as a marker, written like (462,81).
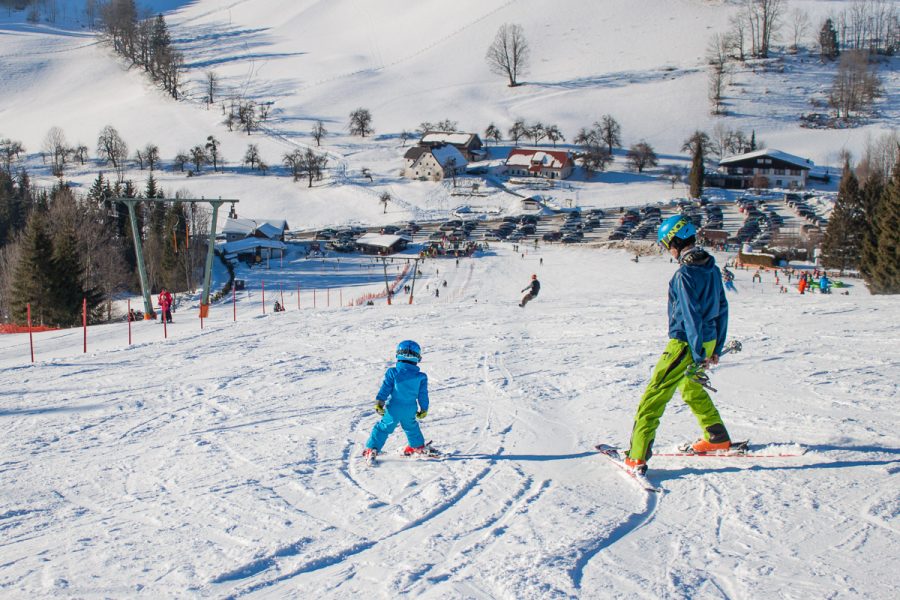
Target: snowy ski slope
(225,462)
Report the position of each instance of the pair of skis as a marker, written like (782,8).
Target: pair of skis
(737,450)
(429,452)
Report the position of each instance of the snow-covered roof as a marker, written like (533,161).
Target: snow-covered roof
(269,228)
(446,137)
(272,228)
(251,243)
(443,154)
(803,163)
(239,226)
(523,157)
(379,240)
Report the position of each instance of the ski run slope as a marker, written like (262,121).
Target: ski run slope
(225,463)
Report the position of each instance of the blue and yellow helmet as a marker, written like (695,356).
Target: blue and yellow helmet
(409,350)
(677,226)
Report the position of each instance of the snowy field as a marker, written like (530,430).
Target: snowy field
(225,462)
(318,60)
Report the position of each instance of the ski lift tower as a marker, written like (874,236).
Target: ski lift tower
(131,203)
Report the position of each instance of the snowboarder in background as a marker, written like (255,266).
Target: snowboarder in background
(698,323)
(165,306)
(728,280)
(401,400)
(533,288)
(824,284)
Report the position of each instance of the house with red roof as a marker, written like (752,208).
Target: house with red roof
(550,164)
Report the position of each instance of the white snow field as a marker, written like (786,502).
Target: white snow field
(226,462)
(409,63)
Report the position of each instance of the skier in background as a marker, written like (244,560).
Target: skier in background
(401,400)
(533,289)
(824,284)
(698,322)
(165,306)
(728,279)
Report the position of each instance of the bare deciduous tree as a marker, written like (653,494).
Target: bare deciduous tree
(798,20)
(641,155)
(508,54)
(492,133)
(251,157)
(609,132)
(855,86)
(319,132)
(517,131)
(212,87)
(361,122)
(151,154)
(9,153)
(112,148)
(764,19)
(57,149)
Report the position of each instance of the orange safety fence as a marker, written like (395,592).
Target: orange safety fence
(382,294)
(11,328)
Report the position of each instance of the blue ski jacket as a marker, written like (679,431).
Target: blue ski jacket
(698,309)
(405,384)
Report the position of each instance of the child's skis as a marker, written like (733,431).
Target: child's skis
(611,453)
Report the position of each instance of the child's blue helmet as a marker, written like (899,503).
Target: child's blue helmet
(675,227)
(409,350)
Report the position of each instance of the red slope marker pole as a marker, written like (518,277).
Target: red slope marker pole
(129,321)
(30,337)
(84,321)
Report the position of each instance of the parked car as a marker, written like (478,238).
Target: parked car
(552,236)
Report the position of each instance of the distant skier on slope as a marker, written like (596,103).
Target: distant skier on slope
(533,289)
(401,400)
(728,279)
(698,323)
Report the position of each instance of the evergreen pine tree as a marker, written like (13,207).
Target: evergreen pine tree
(871,197)
(33,273)
(885,277)
(842,245)
(67,285)
(752,141)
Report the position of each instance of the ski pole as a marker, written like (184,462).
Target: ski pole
(696,374)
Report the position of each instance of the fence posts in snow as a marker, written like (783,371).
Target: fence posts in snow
(30,337)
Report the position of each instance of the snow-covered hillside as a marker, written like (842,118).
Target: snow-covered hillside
(225,462)
(319,60)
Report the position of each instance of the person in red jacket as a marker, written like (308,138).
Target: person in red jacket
(165,306)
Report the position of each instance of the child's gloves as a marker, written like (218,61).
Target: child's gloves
(421,414)
(379,407)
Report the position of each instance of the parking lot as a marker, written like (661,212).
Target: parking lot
(750,220)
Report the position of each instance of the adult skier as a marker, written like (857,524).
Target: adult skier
(533,288)
(698,323)
(401,400)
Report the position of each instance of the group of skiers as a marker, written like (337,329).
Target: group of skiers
(698,325)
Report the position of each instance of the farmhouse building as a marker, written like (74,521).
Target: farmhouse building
(550,164)
(238,229)
(433,162)
(764,169)
(468,144)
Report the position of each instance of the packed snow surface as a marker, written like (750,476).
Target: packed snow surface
(225,462)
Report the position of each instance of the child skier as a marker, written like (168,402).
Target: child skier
(698,322)
(401,400)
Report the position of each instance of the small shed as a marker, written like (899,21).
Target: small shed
(374,243)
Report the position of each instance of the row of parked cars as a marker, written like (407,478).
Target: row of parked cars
(575,225)
(804,210)
(637,224)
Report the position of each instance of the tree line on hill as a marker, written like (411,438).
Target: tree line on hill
(855,36)
(59,248)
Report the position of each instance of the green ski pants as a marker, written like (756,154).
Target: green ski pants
(667,377)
